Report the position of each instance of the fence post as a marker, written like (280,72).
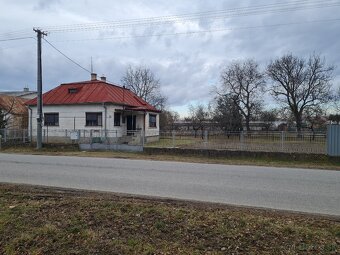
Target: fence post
(282,140)
(205,138)
(0,141)
(173,138)
(242,140)
(143,137)
(5,135)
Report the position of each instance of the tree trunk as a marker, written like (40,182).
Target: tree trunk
(248,123)
(298,119)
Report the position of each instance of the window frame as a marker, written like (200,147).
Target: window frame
(117,121)
(153,124)
(56,117)
(94,123)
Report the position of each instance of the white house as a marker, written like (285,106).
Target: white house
(95,108)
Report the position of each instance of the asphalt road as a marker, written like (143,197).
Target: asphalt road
(304,190)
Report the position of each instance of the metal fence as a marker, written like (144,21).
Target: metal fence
(295,142)
(90,136)
(13,136)
(78,136)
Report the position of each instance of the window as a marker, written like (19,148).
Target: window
(93,119)
(51,119)
(117,119)
(72,90)
(152,120)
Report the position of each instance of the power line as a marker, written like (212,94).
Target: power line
(17,38)
(74,62)
(186,17)
(10,35)
(200,31)
(161,20)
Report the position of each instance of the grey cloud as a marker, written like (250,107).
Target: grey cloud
(187,65)
(46,5)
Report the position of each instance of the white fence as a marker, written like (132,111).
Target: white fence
(294,142)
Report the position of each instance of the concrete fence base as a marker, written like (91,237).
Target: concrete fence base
(115,147)
(237,154)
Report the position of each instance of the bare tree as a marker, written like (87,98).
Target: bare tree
(268,117)
(244,82)
(335,118)
(227,114)
(144,84)
(3,120)
(7,114)
(336,100)
(315,119)
(300,84)
(167,119)
(198,117)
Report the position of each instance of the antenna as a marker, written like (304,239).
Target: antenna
(91,65)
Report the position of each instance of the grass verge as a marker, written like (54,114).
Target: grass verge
(322,162)
(39,220)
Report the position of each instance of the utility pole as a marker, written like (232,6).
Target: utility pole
(39,88)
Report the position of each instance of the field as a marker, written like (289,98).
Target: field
(37,220)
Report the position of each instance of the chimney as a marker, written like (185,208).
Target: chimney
(93,76)
(103,78)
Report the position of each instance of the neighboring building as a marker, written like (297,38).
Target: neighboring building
(25,93)
(95,106)
(15,110)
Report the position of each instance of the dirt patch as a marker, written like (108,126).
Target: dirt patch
(38,220)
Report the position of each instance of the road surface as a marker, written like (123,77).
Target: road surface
(304,190)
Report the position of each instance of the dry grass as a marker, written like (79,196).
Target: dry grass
(36,220)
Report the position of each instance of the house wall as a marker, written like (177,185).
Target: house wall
(151,133)
(73,117)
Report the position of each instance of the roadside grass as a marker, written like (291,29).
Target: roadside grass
(321,162)
(39,220)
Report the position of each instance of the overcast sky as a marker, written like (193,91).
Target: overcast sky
(188,65)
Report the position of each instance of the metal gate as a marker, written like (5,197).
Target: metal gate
(333,140)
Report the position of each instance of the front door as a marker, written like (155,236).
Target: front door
(130,124)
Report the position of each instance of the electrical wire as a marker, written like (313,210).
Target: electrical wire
(161,20)
(74,62)
(187,17)
(17,38)
(200,31)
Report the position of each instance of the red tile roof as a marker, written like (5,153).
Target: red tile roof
(13,105)
(88,92)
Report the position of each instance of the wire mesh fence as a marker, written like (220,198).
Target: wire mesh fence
(75,136)
(13,136)
(90,136)
(295,142)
